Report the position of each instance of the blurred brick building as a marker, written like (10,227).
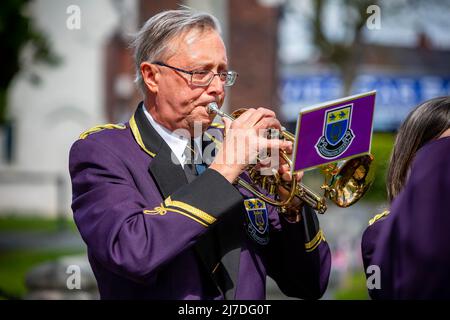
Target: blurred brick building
(95,85)
(250,33)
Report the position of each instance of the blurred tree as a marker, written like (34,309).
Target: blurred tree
(346,55)
(18,32)
(346,51)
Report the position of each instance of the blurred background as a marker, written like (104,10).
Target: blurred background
(66,67)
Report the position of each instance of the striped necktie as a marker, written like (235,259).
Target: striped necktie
(193,165)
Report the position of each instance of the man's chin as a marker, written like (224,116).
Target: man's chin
(206,124)
(199,126)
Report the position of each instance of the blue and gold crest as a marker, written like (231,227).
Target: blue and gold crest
(337,125)
(257,220)
(337,134)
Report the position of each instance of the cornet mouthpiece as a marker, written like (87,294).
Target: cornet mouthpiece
(212,108)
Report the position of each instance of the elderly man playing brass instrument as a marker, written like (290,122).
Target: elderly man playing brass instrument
(158,226)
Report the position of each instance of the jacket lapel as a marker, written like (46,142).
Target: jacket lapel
(220,247)
(167,175)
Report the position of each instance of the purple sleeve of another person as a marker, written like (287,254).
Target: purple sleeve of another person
(412,248)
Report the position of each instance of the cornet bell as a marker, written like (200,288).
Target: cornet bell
(347,182)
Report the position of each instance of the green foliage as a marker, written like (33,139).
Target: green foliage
(382,144)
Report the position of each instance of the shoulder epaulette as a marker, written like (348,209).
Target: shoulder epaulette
(378,217)
(101,127)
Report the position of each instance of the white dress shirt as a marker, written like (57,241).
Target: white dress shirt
(176,142)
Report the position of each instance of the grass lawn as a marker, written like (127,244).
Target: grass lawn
(14,265)
(19,222)
(354,288)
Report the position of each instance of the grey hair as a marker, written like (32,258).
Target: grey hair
(151,41)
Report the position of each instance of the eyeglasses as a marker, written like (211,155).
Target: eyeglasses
(203,78)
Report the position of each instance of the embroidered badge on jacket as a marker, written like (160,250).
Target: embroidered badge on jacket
(257,220)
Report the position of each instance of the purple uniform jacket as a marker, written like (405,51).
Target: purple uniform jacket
(411,245)
(152,235)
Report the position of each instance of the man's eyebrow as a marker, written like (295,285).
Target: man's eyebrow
(208,66)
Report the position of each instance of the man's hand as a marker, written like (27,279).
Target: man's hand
(244,139)
(293,213)
(285,173)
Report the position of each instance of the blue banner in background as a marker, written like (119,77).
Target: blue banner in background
(396,94)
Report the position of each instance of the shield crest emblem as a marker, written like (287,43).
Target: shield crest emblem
(337,124)
(337,134)
(257,220)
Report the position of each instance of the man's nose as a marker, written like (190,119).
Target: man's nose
(216,86)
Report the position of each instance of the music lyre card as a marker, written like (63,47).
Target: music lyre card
(334,130)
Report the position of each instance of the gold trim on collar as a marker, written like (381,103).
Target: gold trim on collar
(137,136)
(101,127)
(378,217)
(314,243)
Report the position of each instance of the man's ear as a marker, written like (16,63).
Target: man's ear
(150,74)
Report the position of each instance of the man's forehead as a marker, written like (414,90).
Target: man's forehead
(199,47)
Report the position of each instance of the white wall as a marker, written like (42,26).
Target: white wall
(69,100)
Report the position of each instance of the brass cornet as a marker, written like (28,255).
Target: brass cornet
(345,182)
